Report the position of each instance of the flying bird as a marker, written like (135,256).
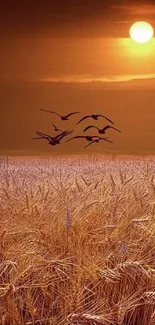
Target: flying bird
(56,137)
(53,140)
(87,137)
(97,140)
(95,117)
(56,128)
(48,138)
(101,131)
(63,117)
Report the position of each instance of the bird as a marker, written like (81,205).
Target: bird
(48,138)
(95,117)
(101,131)
(97,140)
(87,137)
(56,128)
(44,135)
(63,117)
(53,140)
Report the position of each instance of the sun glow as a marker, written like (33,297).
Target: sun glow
(141,32)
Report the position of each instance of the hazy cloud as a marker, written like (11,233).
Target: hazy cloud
(136,9)
(107,79)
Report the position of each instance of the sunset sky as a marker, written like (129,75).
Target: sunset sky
(76,55)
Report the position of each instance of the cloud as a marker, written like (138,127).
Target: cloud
(91,79)
(137,9)
(115,81)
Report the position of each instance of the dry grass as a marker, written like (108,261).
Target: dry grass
(77,241)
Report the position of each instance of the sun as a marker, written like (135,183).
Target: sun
(141,32)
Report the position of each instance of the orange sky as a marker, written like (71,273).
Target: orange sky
(83,61)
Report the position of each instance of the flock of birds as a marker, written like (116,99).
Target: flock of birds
(55,140)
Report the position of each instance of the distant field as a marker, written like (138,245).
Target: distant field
(77,240)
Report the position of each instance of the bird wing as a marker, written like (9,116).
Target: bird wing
(115,129)
(45,110)
(106,139)
(83,118)
(88,127)
(107,118)
(72,114)
(44,135)
(89,144)
(64,135)
(106,127)
(59,135)
(110,127)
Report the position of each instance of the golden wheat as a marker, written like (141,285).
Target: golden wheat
(77,241)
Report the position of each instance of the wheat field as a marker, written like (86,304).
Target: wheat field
(77,240)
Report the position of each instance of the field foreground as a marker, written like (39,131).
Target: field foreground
(77,240)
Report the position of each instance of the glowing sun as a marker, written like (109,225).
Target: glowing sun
(141,32)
